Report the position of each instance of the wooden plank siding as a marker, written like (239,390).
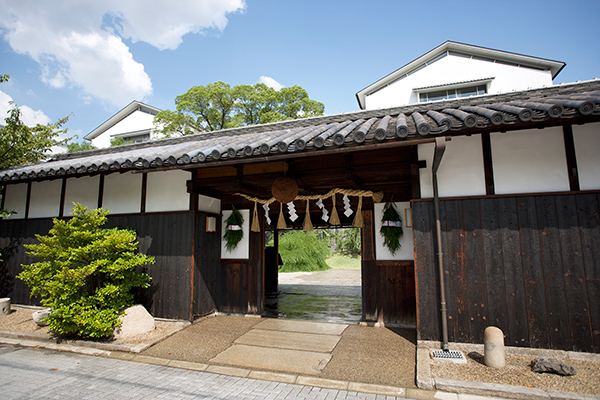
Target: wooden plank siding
(241,281)
(529,265)
(168,237)
(388,286)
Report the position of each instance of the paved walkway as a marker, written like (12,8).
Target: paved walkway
(331,296)
(43,374)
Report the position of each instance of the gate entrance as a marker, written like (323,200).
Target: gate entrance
(293,290)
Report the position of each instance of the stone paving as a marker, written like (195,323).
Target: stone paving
(43,374)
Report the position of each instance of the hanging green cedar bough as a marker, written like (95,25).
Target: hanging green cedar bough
(391,227)
(233,231)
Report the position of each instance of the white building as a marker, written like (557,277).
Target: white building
(134,123)
(454,70)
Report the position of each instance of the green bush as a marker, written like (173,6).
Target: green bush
(302,251)
(87,273)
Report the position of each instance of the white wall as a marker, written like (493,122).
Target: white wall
(209,204)
(242,251)
(45,199)
(587,150)
(452,69)
(530,161)
(167,191)
(82,190)
(16,199)
(406,251)
(461,171)
(122,193)
(136,121)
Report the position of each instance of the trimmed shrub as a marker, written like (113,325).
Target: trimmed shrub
(302,251)
(87,274)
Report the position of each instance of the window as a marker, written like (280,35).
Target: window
(137,139)
(453,93)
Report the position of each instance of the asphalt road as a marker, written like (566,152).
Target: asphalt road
(28,373)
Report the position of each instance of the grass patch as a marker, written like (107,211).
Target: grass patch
(340,261)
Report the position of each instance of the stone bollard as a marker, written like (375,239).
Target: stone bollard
(5,306)
(493,340)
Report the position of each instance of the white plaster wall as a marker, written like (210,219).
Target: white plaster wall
(461,170)
(406,251)
(16,198)
(82,190)
(452,69)
(529,161)
(122,193)
(136,121)
(209,204)
(45,199)
(242,251)
(587,151)
(167,191)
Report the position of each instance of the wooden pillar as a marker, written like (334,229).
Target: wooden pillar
(573,172)
(100,190)
(488,169)
(63,194)
(27,200)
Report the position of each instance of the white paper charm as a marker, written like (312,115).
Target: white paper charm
(292,211)
(325,216)
(266,208)
(347,210)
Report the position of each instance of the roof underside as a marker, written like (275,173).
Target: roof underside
(358,131)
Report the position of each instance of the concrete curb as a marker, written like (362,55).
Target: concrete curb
(426,381)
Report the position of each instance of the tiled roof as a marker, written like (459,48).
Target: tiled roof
(516,110)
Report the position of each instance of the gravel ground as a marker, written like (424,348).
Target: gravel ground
(19,320)
(518,373)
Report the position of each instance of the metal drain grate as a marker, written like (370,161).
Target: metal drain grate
(449,355)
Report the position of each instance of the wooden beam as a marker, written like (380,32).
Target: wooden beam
(571,157)
(100,190)
(27,199)
(415,181)
(144,192)
(488,166)
(63,193)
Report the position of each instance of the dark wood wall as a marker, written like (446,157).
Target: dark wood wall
(13,235)
(241,281)
(388,286)
(529,265)
(178,241)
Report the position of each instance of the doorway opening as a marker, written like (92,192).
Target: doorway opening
(314,275)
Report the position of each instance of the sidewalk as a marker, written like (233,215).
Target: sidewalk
(359,358)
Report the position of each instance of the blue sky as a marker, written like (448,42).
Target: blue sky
(89,59)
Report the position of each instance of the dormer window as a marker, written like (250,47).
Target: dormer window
(452,93)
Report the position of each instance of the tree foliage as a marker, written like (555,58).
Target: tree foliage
(219,106)
(346,241)
(87,273)
(83,146)
(21,144)
(303,251)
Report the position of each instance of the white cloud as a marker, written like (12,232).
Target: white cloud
(29,116)
(80,44)
(270,82)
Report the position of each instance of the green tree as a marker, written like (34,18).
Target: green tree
(303,251)
(87,273)
(21,144)
(117,141)
(219,106)
(83,146)
(345,241)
